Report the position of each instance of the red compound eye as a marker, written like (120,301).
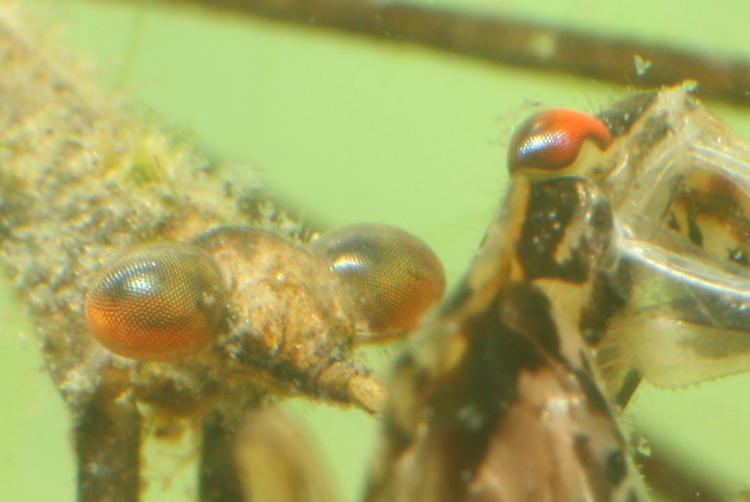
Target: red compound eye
(395,276)
(158,302)
(552,139)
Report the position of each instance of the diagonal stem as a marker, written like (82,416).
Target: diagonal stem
(509,41)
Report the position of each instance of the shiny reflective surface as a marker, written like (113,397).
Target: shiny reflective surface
(158,302)
(394,275)
(552,139)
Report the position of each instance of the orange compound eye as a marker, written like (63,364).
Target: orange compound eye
(551,140)
(396,276)
(158,302)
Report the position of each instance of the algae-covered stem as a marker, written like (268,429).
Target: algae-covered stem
(84,178)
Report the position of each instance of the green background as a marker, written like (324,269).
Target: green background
(352,130)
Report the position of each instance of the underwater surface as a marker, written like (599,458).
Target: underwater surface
(352,130)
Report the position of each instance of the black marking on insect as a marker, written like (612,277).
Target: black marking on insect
(621,116)
(552,205)
(505,359)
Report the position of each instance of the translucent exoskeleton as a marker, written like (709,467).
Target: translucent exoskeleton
(681,200)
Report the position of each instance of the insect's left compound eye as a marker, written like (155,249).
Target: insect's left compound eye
(395,276)
(158,302)
(552,139)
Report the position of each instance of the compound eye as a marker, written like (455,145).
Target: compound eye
(158,302)
(552,139)
(395,276)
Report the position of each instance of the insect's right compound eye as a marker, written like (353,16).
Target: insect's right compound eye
(552,139)
(395,276)
(158,302)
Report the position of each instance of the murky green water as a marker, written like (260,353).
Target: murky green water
(350,131)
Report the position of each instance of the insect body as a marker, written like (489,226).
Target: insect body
(503,403)
(597,270)
(182,350)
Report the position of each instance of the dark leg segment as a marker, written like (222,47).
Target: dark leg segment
(107,438)
(219,480)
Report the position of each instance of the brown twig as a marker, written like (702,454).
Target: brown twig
(508,41)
